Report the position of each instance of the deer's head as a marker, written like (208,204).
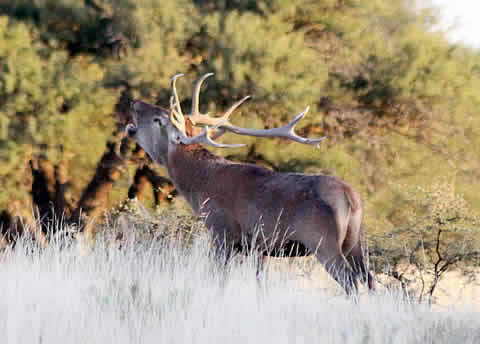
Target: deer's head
(149,128)
(158,130)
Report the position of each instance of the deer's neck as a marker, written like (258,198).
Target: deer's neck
(194,170)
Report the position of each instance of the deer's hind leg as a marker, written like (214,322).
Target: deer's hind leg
(356,258)
(353,251)
(331,257)
(319,234)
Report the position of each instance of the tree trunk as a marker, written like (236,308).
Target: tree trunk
(43,191)
(50,184)
(163,189)
(95,195)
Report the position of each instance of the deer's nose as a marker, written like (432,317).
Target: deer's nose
(131,130)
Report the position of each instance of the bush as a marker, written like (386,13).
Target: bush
(438,234)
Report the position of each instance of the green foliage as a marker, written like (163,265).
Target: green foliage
(45,98)
(163,30)
(278,69)
(438,231)
(396,99)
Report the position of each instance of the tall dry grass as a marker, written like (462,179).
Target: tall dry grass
(163,291)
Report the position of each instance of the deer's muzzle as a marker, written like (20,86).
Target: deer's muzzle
(130,130)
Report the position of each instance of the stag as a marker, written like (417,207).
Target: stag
(290,213)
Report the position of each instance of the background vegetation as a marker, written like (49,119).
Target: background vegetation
(396,100)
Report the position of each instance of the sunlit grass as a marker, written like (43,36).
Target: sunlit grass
(160,291)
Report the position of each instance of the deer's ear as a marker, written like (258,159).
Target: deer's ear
(160,120)
(174,137)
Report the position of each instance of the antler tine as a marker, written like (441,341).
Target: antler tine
(197,118)
(234,107)
(286,131)
(196,96)
(204,137)
(176,115)
(178,121)
(174,93)
(207,120)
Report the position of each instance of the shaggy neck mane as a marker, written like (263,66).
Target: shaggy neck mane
(193,168)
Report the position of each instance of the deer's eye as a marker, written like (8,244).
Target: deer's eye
(157,120)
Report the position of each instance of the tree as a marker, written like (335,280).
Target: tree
(395,99)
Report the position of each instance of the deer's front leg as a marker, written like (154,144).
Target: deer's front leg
(226,234)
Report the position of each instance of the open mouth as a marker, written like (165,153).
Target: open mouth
(131,130)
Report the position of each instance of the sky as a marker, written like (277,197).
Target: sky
(465,14)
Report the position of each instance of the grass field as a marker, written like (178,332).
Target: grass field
(161,292)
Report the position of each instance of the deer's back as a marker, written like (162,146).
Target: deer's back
(253,195)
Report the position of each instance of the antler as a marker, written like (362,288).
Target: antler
(176,115)
(222,123)
(197,118)
(204,137)
(286,131)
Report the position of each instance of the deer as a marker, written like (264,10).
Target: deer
(276,212)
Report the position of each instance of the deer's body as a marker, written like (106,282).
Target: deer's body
(245,203)
(251,196)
